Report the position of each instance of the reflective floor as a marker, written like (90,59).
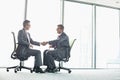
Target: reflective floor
(99,74)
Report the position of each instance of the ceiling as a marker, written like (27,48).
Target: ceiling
(112,3)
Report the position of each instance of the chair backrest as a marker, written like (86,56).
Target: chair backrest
(13,55)
(72,43)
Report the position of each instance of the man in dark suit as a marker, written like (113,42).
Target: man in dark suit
(25,43)
(61,49)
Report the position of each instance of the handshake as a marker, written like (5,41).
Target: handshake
(44,43)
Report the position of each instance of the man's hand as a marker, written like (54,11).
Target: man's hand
(50,46)
(44,43)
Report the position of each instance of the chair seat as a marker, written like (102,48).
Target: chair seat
(64,59)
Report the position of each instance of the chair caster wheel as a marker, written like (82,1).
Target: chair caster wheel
(31,71)
(18,69)
(69,71)
(7,70)
(15,71)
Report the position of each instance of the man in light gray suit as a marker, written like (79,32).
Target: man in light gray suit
(25,43)
(61,49)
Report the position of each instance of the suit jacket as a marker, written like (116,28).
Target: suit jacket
(23,44)
(62,42)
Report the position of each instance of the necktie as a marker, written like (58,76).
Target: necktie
(58,37)
(28,37)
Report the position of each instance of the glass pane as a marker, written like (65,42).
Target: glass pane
(11,17)
(78,24)
(107,35)
(44,16)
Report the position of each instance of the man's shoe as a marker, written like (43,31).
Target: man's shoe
(55,70)
(34,69)
(52,70)
(47,70)
(39,70)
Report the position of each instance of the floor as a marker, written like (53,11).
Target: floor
(82,74)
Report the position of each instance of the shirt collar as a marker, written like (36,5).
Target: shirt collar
(60,34)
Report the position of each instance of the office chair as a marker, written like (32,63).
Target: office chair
(65,60)
(14,56)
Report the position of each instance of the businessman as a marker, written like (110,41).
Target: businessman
(25,43)
(61,49)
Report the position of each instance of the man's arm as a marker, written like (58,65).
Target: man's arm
(34,42)
(53,43)
(21,39)
(63,41)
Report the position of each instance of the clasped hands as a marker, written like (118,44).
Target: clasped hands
(44,43)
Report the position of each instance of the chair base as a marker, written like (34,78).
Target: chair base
(59,68)
(19,68)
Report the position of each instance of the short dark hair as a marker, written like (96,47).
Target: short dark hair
(61,26)
(25,23)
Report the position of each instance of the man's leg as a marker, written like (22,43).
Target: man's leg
(38,60)
(49,61)
(45,58)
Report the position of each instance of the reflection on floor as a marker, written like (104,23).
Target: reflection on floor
(99,74)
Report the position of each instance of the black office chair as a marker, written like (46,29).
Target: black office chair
(65,59)
(14,56)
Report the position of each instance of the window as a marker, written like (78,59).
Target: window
(78,24)
(107,35)
(11,17)
(44,16)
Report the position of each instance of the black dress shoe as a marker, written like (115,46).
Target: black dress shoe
(34,69)
(39,70)
(47,70)
(51,70)
(55,70)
